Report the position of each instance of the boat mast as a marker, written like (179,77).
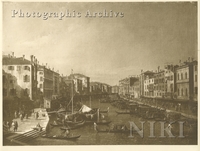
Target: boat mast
(72,90)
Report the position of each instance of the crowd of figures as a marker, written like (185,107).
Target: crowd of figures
(13,126)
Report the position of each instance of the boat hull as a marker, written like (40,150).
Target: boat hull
(62,137)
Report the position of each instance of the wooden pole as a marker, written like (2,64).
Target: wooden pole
(97,115)
(90,102)
(72,89)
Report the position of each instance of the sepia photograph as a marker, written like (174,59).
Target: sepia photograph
(99,73)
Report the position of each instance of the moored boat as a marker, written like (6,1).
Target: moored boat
(69,127)
(123,112)
(99,123)
(56,125)
(61,137)
(74,123)
(103,122)
(119,128)
(112,131)
(104,111)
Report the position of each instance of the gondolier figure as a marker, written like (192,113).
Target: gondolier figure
(95,126)
(54,122)
(169,127)
(39,127)
(67,132)
(66,118)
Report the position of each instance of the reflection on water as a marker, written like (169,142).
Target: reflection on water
(90,137)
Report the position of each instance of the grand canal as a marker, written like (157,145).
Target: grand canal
(90,137)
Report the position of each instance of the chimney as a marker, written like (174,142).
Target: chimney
(188,59)
(53,69)
(158,68)
(13,54)
(31,58)
(46,65)
(23,57)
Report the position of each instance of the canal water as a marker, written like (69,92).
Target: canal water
(90,137)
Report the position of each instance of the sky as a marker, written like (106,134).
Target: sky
(107,49)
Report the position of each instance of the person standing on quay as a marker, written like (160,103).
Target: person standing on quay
(21,117)
(26,115)
(8,125)
(36,115)
(16,125)
(15,114)
(13,125)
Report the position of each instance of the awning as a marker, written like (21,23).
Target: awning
(85,109)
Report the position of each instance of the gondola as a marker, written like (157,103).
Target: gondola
(99,123)
(103,122)
(112,131)
(119,128)
(55,125)
(62,137)
(73,127)
(74,123)
(123,112)
(106,111)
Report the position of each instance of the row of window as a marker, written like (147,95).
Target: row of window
(152,94)
(181,92)
(150,80)
(19,68)
(26,78)
(159,75)
(180,76)
(13,92)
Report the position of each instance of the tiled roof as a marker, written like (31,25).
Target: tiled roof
(15,61)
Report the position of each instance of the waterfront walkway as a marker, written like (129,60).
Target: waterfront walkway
(25,130)
(167,110)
